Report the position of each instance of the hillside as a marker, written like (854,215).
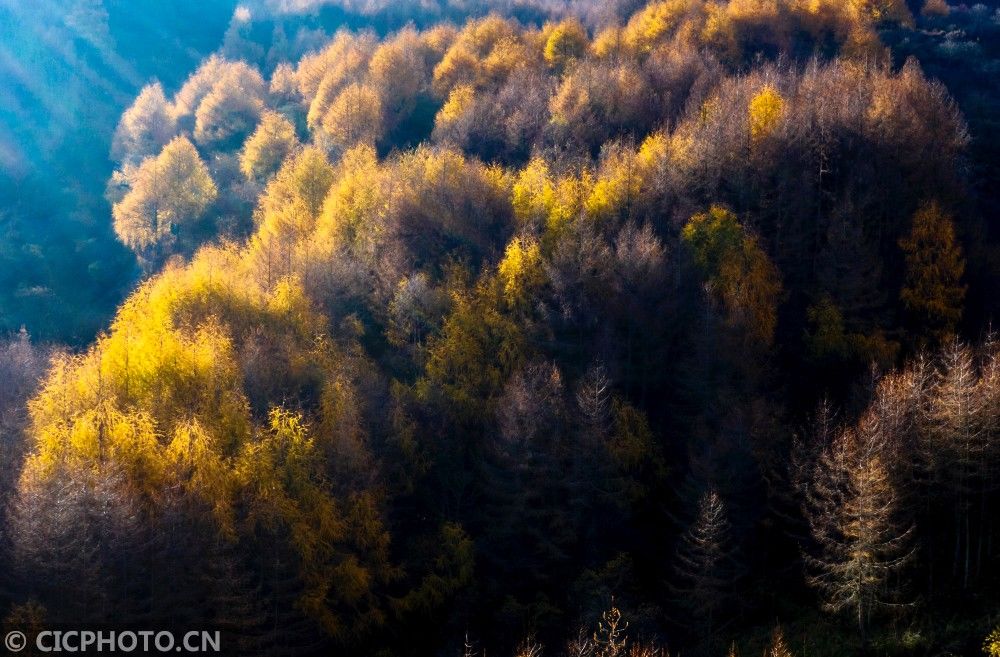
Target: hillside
(455,328)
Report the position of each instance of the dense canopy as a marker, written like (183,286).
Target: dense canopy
(667,324)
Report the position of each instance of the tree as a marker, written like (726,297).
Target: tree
(991,644)
(957,443)
(765,111)
(455,120)
(705,567)
(198,85)
(231,108)
(168,194)
(932,291)
(651,24)
(268,147)
(354,117)
(852,511)
(78,529)
(593,398)
(400,70)
(144,128)
(567,41)
(293,199)
(598,100)
(610,639)
(323,76)
(738,272)
(778,647)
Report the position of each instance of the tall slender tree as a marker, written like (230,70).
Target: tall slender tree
(706,567)
(851,508)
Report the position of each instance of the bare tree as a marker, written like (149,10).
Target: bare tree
(594,400)
(851,508)
(529,648)
(956,442)
(581,645)
(778,647)
(609,639)
(705,563)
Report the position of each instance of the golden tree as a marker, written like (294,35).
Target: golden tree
(269,145)
(354,117)
(737,270)
(566,42)
(933,292)
(168,193)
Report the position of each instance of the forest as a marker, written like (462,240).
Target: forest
(519,328)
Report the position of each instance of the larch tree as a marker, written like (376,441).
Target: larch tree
(566,42)
(144,128)
(269,145)
(957,441)
(738,273)
(853,515)
(933,291)
(705,568)
(779,647)
(593,398)
(354,117)
(168,193)
(231,109)
(400,71)
(764,112)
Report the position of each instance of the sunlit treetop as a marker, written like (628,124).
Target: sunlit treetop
(566,42)
(231,108)
(739,273)
(765,110)
(144,128)
(166,193)
(269,145)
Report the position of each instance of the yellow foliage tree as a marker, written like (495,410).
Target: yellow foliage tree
(268,147)
(933,291)
(400,70)
(521,272)
(324,75)
(355,117)
(144,128)
(453,119)
(567,41)
(294,198)
(168,193)
(653,23)
(764,112)
(482,55)
(738,272)
(231,108)
(354,197)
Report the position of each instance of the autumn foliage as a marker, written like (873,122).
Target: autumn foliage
(515,327)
